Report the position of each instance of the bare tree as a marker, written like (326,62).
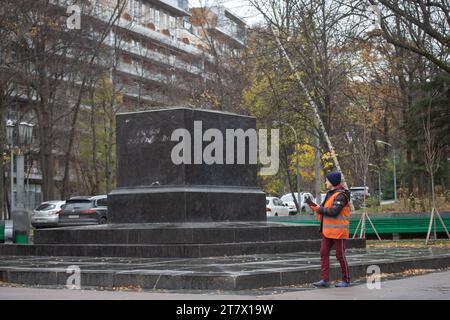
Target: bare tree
(418,26)
(426,25)
(88,65)
(9,90)
(433,152)
(223,62)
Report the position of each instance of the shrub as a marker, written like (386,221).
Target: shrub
(373,202)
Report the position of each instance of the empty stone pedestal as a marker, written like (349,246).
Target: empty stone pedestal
(151,188)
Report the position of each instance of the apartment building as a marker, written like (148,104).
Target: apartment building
(164,51)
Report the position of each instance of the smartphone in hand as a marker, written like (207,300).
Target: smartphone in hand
(309,202)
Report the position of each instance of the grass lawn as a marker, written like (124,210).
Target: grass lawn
(417,243)
(405,205)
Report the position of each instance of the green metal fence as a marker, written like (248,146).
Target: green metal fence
(390,224)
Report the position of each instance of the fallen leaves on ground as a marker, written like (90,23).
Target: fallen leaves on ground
(408,244)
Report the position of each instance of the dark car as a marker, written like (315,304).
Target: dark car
(84,210)
(358,194)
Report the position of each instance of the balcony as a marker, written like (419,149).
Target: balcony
(137,71)
(104,14)
(153,97)
(138,50)
(231,31)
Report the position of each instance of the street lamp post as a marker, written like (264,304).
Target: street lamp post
(297,167)
(395,170)
(10,142)
(25,136)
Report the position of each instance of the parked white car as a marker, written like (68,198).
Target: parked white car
(275,207)
(322,198)
(289,201)
(46,214)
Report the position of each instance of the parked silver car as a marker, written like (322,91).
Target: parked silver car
(46,214)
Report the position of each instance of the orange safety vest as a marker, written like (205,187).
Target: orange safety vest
(336,227)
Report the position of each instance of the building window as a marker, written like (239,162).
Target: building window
(137,11)
(173,27)
(143,13)
(163,20)
(187,25)
(129,6)
(147,11)
(151,15)
(157,20)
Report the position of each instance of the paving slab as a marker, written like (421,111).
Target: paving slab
(431,286)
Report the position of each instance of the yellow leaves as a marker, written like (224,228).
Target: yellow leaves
(293,76)
(257,97)
(107,93)
(304,155)
(6,157)
(306,160)
(205,97)
(327,161)
(272,185)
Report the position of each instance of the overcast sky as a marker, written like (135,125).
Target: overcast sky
(241,8)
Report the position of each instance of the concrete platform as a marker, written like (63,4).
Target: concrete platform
(214,273)
(174,240)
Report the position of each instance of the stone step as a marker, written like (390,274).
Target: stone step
(221,273)
(169,250)
(183,233)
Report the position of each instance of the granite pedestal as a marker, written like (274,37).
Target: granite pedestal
(151,188)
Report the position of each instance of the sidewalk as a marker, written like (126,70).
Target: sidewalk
(433,286)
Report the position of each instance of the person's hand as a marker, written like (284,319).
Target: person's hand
(310,203)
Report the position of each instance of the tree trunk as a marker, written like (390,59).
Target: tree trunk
(318,169)
(410,176)
(288,175)
(46,156)
(110,152)
(421,185)
(67,157)
(433,195)
(95,188)
(107,157)
(44,115)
